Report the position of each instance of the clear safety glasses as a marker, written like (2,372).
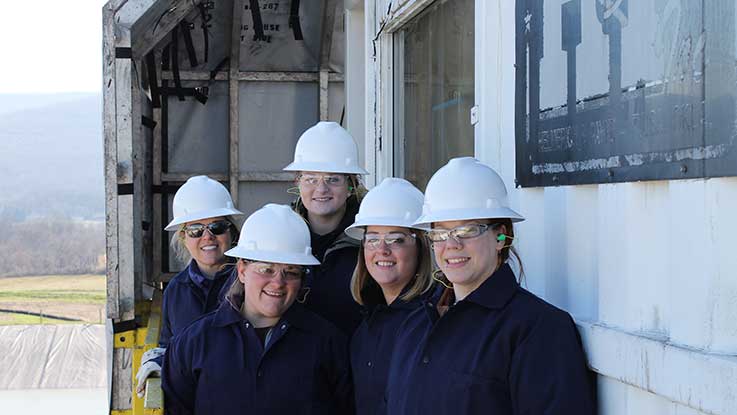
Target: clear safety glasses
(332,180)
(266,270)
(196,230)
(372,241)
(457,233)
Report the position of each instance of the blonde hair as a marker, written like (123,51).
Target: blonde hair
(361,281)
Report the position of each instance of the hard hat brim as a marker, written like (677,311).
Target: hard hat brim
(273,257)
(468,214)
(357,229)
(324,168)
(204,214)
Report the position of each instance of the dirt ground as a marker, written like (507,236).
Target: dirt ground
(78,297)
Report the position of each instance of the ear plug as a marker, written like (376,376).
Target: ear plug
(501,238)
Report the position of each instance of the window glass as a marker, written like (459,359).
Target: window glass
(433,89)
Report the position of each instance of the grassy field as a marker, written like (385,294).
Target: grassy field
(77,297)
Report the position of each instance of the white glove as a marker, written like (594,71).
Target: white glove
(148,367)
(152,354)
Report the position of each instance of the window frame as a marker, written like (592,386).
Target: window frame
(381,155)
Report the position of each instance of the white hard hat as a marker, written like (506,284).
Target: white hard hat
(326,147)
(394,202)
(466,189)
(200,198)
(275,233)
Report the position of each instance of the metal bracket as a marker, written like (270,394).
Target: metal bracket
(474,115)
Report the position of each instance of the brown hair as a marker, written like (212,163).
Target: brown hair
(356,188)
(507,251)
(364,287)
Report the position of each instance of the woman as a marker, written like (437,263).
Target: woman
(260,353)
(391,277)
(327,177)
(205,228)
(488,345)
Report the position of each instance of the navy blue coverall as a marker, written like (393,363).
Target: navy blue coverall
(500,350)
(188,296)
(218,365)
(329,283)
(371,349)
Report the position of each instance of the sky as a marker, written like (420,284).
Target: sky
(51,46)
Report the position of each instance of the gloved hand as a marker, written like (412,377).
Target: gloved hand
(149,365)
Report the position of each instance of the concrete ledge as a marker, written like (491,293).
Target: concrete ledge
(694,378)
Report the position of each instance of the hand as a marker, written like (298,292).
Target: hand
(149,365)
(144,372)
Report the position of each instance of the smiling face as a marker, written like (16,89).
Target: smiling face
(270,289)
(322,198)
(391,266)
(467,262)
(208,250)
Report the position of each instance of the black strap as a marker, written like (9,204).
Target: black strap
(165,59)
(123,53)
(258,25)
(122,326)
(175,63)
(186,28)
(218,68)
(201,93)
(206,17)
(152,82)
(165,188)
(294,20)
(125,189)
(148,122)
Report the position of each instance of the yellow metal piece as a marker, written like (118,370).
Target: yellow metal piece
(125,339)
(137,403)
(141,336)
(141,340)
(147,338)
(154,396)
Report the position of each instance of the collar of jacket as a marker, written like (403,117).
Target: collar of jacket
(342,240)
(229,310)
(374,300)
(197,277)
(497,290)
(494,293)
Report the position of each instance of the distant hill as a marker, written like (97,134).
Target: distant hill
(51,156)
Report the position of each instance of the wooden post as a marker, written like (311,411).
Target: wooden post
(235,57)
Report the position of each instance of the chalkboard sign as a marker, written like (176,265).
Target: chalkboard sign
(614,91)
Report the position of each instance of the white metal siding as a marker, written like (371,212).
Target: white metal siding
(649,269)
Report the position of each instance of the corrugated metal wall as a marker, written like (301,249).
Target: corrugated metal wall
(649,269)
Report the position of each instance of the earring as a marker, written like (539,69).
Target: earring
(438,280)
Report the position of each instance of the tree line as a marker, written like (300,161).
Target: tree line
(50,246)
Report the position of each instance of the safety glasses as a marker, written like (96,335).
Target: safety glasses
(196,230)
(372,241)
(332,180)
(461,232)
(269,271)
